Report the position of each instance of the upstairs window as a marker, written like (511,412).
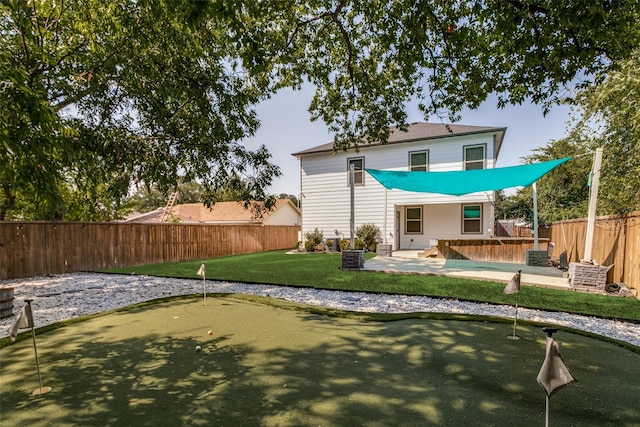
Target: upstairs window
(419,161)
(471,219)
(358,173)
(474,157)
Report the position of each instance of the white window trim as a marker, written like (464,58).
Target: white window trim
(418,152)
(481,219)
(356,172)
(464,155)
(421,220)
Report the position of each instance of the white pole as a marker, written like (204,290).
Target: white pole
(352,223)
(515,318)
(385,216)
(593,201)
(35,350)
(41,389)
(204,289)
(546,418)
(535,216)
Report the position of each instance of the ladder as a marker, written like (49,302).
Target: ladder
(167,209)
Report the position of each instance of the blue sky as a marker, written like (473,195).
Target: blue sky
(286,128)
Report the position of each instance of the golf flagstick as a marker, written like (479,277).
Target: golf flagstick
(201,272)
(41,390)
(553,374)
(546,416)
(513,287)
(515,318)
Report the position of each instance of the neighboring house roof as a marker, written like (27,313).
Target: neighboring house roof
(420,131)
(220,212)
(153,216)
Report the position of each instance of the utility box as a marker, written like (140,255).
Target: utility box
(384,249)
(538,258)
(352,260)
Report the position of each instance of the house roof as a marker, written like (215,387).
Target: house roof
(230,212)
(420,131)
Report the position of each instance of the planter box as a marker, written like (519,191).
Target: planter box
(6,302)
(594,276)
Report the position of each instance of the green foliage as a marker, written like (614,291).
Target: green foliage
(358,244)
(562,193)
(368,233)
(309,246)
(312,239)
(611,119)
(97,97)
(368,59)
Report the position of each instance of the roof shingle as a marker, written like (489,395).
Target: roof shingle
(416,132)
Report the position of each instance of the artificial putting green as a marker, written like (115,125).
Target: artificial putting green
(267,366)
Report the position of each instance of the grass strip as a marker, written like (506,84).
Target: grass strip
(322,271)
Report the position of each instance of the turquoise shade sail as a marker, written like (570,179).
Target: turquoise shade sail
(458,183)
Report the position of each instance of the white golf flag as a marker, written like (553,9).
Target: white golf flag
(24,320)
(554,374)
(513,287)
(201,271)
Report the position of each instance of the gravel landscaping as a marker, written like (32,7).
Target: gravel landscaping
(62,297)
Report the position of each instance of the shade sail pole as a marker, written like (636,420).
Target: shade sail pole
(384,227)
(535,216)
(593,202)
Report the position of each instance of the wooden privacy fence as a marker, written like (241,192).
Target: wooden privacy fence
(41,248)
(616,240)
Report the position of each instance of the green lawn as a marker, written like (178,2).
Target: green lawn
(268,366)
(323,271)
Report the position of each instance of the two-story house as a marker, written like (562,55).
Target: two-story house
(407,220)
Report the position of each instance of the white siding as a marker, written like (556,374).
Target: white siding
(325,195)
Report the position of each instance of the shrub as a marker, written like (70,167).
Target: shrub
(368,233)
(358,245)
(345,245)
(315,236)
(309,246)
(313,239)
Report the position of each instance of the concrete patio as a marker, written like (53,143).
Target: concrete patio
(407,261)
